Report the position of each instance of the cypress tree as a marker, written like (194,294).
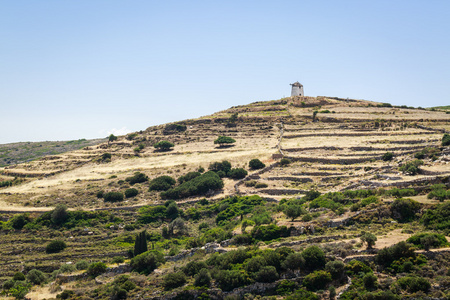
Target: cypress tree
(140,244)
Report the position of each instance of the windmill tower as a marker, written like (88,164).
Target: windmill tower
(297,89)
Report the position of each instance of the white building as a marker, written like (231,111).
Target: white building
(297,89)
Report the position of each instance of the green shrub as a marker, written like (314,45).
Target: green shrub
(411,167)
(405,210)
(193,267)
(387,156)
(400,250)
(188,176)
(294,261)
(60,214)
(36,277)
(224,140)
(200,185)
(269,232)
(231,279)
(303,294)
(267,274)
(137,178)
(100,194)
(96,269)
(202,278)
(224,166)
(66,294)
(354,267)
(82,265)
(18,276)
(106,157)
(163,145)
(370,281)
(55,246)
(161,183)
(172,128)
(18,221)
(256,164)
(285,161)
(336,268)
(399,193)
(131,193)
(67,268)
(446,139)
(113,197)
(174,280)
(311,195)
(317,280)
(146,262)
(314,258)
(427,240)
(286,287)
(438,218)
(237,173)
(414,284)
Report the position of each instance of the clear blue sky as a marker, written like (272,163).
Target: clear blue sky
(82,69)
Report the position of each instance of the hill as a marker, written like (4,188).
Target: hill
(16,153)
(333,169)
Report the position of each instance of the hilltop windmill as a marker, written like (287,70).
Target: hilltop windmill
(297,89)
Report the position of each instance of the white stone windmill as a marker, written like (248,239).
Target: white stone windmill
(297,89)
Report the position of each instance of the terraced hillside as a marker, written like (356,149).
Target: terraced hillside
(342,148)
(338,164)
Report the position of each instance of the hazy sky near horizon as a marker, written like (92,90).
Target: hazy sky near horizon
(85,69)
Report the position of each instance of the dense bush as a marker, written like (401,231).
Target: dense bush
(414,284)
(438,218)
(18,276)
(131,192)
(174,280)
(146,262)
(405,210)
(446,139)
(387,156)
(314,258)
(60,214)
(137,178)
(200,185)
(336,268)
(224,140)
(171,128)
(193,267)
(269,232)
(18,221)
(149,214)
(55,246)
(317,280)
(294,261)
(355,267)
(267,274)
(36,277)
(303,294)
(231,279)
(388,255)
(427,240)
(96,269)
(202,278)
(411,167)
(399,193)
(224,166)
(285,161)
(237,173)
(113,197)
(439,191)
(161,183)
(256,164)
(163,145)
(82,265)
(188,176)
